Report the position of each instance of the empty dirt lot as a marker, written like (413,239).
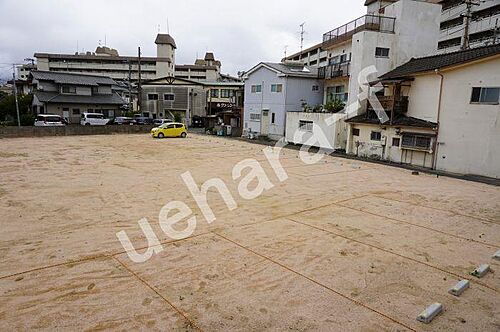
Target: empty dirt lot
(340,245)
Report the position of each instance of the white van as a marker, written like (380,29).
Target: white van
(49,120)
(93,119)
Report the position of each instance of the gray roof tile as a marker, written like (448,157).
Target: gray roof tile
(430,63)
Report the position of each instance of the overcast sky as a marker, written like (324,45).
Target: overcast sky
(241,33)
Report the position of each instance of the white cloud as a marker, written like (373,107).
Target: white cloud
(240,33)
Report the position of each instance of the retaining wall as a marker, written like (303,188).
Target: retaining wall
(9,132)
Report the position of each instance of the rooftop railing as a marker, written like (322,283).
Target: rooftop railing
(367,22)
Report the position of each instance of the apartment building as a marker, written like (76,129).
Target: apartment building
(106,61)
(390,34)
(69,95)
(484,24)
(443,114)
(314,56)
(206,69)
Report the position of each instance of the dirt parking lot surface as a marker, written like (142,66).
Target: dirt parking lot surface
(338,245)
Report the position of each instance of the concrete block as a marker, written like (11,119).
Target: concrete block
(481,271)
(459,288)
(430,313)
(497,255)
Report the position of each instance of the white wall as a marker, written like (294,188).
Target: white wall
(328,136)
(469,134)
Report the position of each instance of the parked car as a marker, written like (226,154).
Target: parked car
(122,120)
(142,120)
(173,129)
(93,119)
(159,122)
(49,120)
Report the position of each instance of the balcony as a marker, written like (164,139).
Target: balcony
(334,70)
(367,22)
(392,104)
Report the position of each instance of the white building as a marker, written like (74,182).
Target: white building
(390,34)
(272,90)
(314,56)
(444,114)
(485,18)
(107,62)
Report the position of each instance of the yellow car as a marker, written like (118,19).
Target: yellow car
(173,129)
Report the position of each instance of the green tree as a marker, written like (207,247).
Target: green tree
(8,109)
(334,106)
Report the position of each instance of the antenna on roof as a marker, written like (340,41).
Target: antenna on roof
(302,33)
(168,26)
(105,40)
(286,49)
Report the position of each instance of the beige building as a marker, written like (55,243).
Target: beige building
(444,114)
(106,61)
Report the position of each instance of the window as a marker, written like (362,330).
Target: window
(254,117)
(382,52)
(416,141)
(256,88)
(306,125)
(376,136)
(214,93)
(485,95)
(69,89)
(396,141)
(315,87)
(169,97)
(95,90)
(226,93)
(276,88)
(178,126)
(273,118)
(337,93)
(355,132)
(152,96)
(76,111)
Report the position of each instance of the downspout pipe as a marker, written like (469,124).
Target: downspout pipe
(436,144)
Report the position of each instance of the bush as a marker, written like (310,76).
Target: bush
(334,106)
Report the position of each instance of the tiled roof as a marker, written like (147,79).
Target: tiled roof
(293,70)
(55,97)
(430,63)
(72,79)
(399,120)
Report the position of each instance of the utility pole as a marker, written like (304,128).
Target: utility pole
(15,94)
(467,17)
(129,86)
(302,32)
(139,85)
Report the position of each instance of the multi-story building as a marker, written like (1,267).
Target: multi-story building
(484,25)
(188,99)
(443,113)
(272,90)
(206,69)
(388,36)
(314,56)
(69,95)
(106,61)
